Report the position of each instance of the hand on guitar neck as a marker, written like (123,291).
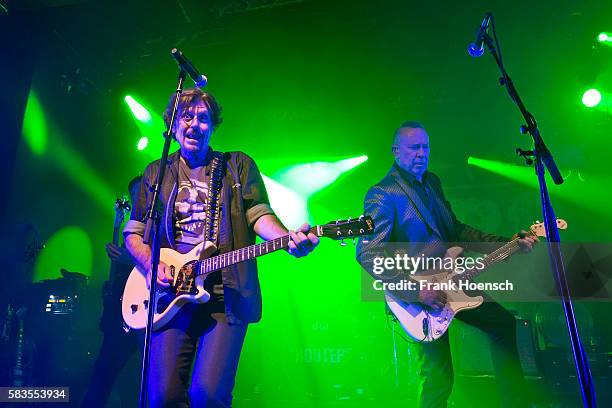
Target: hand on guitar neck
(526,240)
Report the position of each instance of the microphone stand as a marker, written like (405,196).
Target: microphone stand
(152,227)
(542,157)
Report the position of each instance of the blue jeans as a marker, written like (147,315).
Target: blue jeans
(195,337)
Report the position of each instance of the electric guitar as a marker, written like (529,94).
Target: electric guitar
(190,270)
(426,325)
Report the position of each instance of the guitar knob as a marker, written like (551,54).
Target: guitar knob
(134,308)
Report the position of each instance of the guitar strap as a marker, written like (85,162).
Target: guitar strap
(213,215)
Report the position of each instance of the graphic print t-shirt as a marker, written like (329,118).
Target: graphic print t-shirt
(190,210)
(190,206)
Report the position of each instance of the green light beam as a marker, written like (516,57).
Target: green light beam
(289,205)
(581,189)
(150,128)
(69,248)
(308,178)
(140,112)
(34,127)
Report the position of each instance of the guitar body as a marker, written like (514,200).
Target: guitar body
(188,287)
(424,324)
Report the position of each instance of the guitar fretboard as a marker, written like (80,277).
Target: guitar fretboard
(243,254)
(498,255)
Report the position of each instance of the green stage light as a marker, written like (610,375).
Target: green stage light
(34,127)
(139,111)
(309,178)
(576,190)
(591,98)
(150,127)
(143,142)
(69,248)
(604,37)
(38,131)
(288,204)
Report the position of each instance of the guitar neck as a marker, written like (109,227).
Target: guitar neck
(494,257)
(243,254)
(112,272)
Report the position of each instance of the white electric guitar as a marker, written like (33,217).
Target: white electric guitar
(191,269)
(424,324)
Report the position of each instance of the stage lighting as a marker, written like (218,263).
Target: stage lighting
(68,248)
(139,111)
(308,178)
(34,127)
(45,138)
(591,98)
(289,205)
(143,142)
(604,37)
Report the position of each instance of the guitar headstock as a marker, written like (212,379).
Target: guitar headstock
(539,230)
(122,205)
(349,228)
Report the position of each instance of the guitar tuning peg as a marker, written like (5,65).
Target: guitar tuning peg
(342,243)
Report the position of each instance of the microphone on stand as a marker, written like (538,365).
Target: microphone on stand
(476,49)
(186,65)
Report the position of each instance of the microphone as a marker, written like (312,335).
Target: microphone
(476,49)
(186,65)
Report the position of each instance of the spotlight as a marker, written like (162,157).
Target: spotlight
(591,98)
(143,142)
(139,111)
